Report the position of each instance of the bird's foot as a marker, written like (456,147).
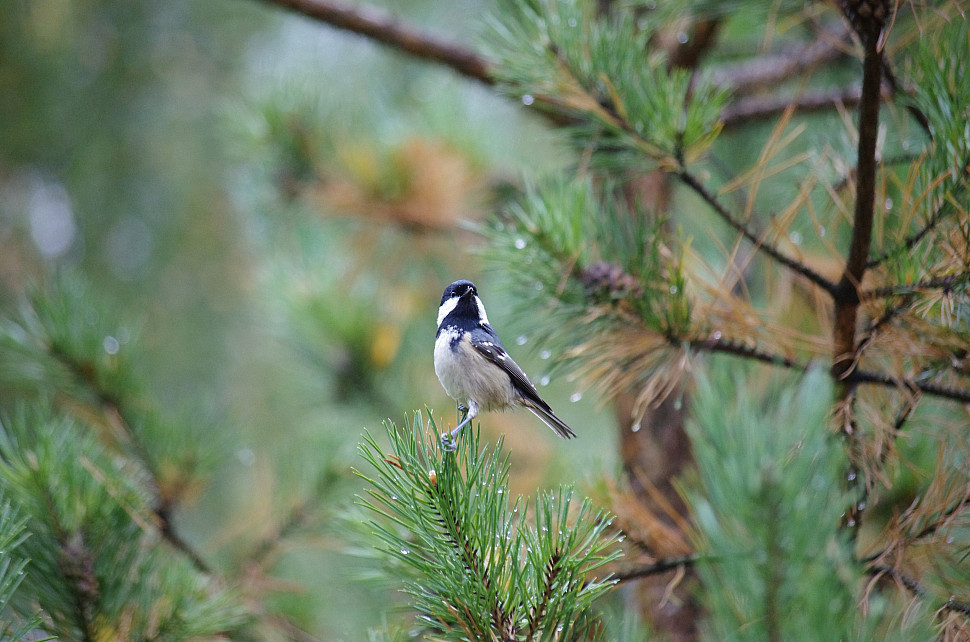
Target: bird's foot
(448,442)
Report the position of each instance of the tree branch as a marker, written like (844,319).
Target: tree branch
(904,289)
(660,566)
(855,376)
(757,108)
(384,28)
(794,265)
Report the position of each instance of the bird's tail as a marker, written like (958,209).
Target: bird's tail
(551,420)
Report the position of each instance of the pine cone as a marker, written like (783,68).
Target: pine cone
(605,280)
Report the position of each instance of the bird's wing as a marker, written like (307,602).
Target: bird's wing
(487,344)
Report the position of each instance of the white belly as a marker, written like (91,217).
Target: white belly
(469,377)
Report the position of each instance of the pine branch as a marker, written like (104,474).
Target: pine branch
(792,264)
(727,346)
(944,283)
(473,562)
(656,568)
(916,589)
(114,409)
(377,25)
(945,210)
(857,376)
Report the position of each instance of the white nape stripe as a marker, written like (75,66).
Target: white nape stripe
(446,309)
(481,311)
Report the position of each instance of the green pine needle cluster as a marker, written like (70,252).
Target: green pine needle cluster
(575,61)
(768,499)
(97,474)
(13,533)
(609,281)
(478,564)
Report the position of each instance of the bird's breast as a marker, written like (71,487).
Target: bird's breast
(466,375)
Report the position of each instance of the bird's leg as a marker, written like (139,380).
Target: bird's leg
(448,440)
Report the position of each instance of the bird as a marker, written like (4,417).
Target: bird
(474,368)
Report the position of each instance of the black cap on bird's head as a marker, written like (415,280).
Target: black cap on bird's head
(460,288)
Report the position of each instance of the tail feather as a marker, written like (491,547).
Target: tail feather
(551,420)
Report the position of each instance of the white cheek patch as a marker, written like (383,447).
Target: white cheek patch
(446,309)
(481,311)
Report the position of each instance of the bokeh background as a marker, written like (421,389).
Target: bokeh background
(270,209)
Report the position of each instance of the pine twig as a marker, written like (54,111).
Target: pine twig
(910,242)
(794,265)
(857,376)
(916,589)
(902,289)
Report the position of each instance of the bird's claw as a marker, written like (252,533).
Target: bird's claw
(448,442)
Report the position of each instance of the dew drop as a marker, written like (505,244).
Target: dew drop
(850,523)
(949,539)
(545,354)
(673,289)
(889,203)
(717,335)
(522,340)
(576,396)
(821,230)
(538,285)
(110,345)
(544,381)
(796,238)
(246,456)
(852,476)
(682,37)
(520,243)
(404,551)
(635,427)
(572,22)
(861,506)
(527,99)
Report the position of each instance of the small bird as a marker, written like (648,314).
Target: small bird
(474,368)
